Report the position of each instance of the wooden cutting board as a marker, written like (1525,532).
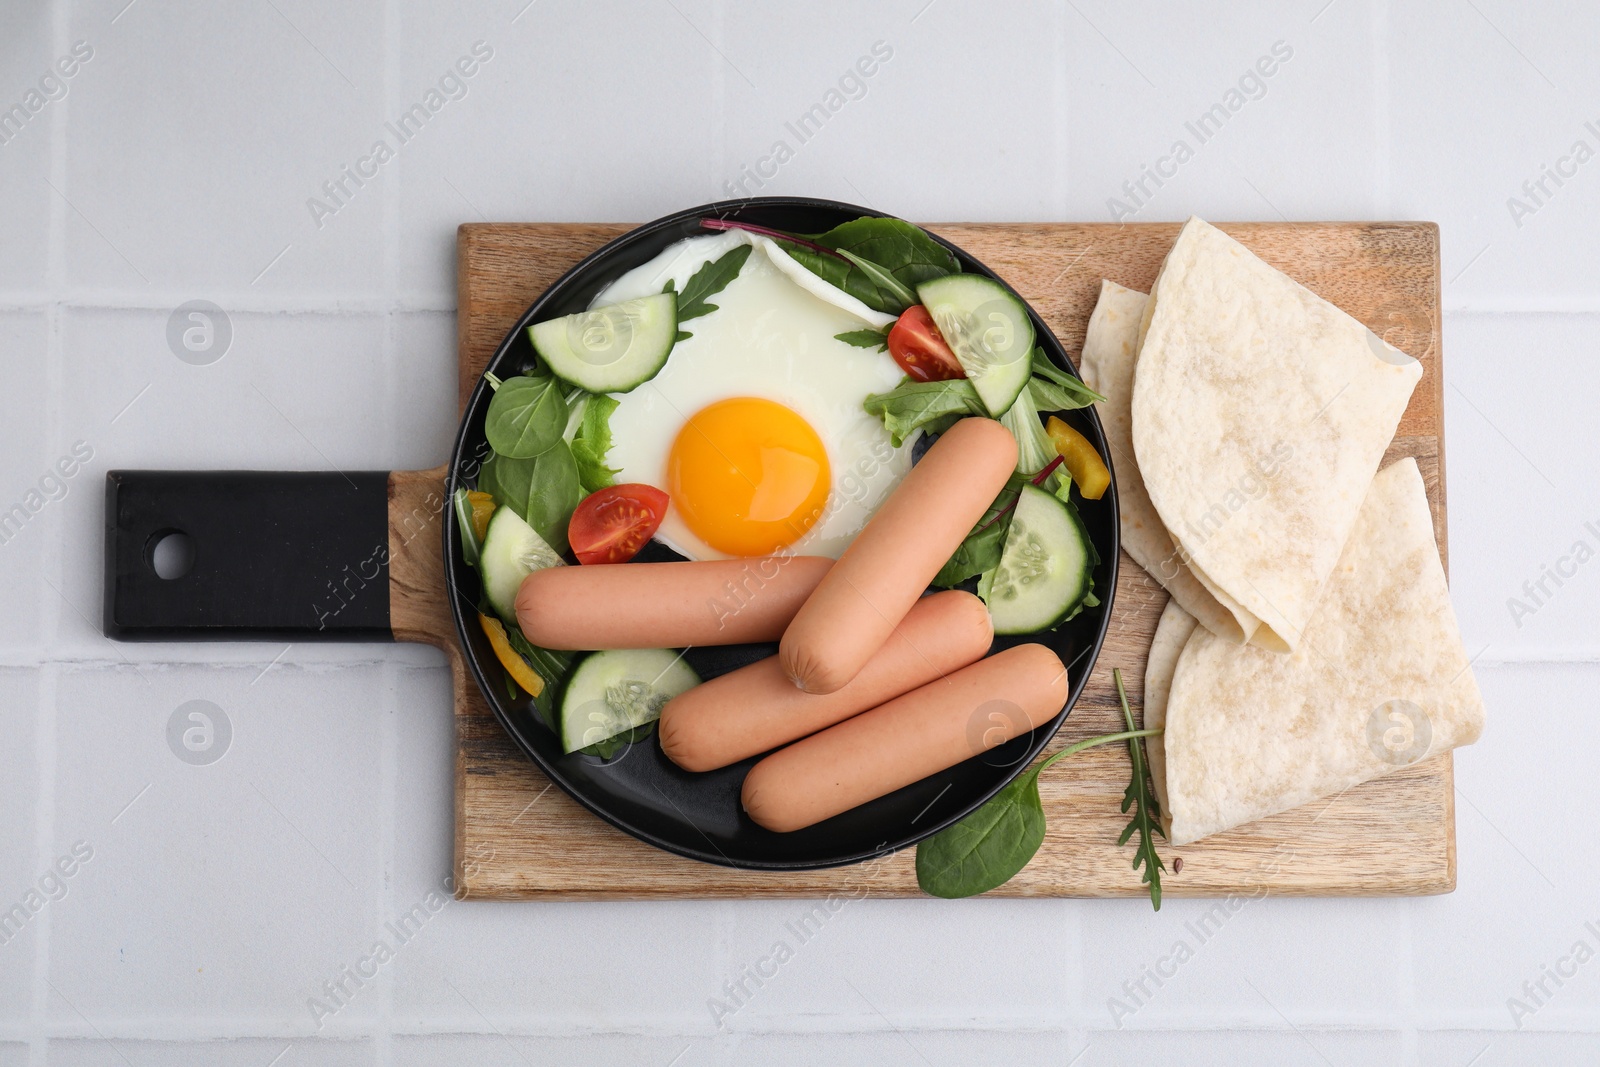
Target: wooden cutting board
(517,837)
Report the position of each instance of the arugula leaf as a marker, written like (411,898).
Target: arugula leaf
(989,847)
(892,287)
(593,441)
(930,406)
(551,666)
(543,489)
(708,281)
(1053,389)
(1146,809)
(878,339)
(980,550)
(527,415)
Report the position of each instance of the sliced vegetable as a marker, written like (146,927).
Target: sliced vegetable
(471,539)
(613,524)
(512,550)
(1046,569)
(592,442)
(515,665)
(1082,459)
(614,692)
(610,349)
(526,416)
(928,406)
(917,347)
(482,505)
(550,665)
(989,331)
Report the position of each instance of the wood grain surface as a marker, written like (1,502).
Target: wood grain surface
(519,838)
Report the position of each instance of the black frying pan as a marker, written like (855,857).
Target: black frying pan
(294,556)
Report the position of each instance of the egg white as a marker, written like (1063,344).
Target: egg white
(771,338)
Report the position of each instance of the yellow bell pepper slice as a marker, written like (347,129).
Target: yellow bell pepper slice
(1079,456)
(514,664)
(482,508)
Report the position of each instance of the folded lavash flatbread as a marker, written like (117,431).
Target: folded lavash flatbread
(1260,413)
(1379,681)
(1107,366)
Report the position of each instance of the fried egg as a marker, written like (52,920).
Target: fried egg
(754,427)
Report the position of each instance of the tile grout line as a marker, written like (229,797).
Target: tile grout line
(1075,978)
(44,745)
(390,673)
(1410,1037)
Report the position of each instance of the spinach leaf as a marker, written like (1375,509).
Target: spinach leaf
(980,550)
(1054,389)
(878,339)
(543,489)
(930,406)
(592,442)
(551,666)
(899,249)
(709,280)
(526,416)
(893,288)
(904,250)
(987,848)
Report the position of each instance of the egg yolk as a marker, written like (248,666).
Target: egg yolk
(749,476)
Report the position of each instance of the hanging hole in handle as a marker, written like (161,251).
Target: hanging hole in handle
(170,554)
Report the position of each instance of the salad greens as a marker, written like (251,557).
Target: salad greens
(986,849)
(980,551)
(1054,389)
(879,261)
(1146,809)
(527,415)
(543,489)
(878,339)
(930,406)
(708,281)
(552,667)
(592,441)
(1034,448)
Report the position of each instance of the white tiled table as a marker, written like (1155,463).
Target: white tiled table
(220,898)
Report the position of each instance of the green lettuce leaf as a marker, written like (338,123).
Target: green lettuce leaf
(929,406)
(592,442)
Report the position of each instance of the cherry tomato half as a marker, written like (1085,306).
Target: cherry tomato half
(916,345)
(613,524)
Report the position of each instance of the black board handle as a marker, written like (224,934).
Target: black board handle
(277,555)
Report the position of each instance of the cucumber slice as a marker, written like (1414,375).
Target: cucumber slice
(1046,568)
(618,690)
(989,331)
(610,349)
(512,550)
